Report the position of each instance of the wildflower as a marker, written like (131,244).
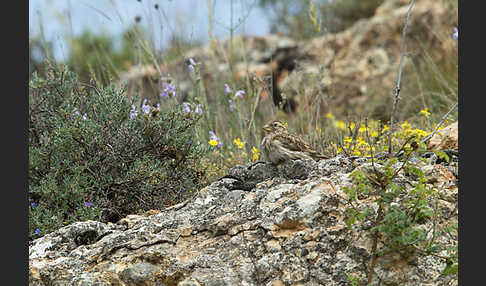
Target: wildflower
(88,204)
(32,204)
(191,60)
(385,128)
(425,112)
(352,125)
(255,153)
(340,124)
(406,125)
(187,107)
(363,129)
(133,112)
(239,93)
(330,116)
(168,90)
(85,117)
(214,140)
(456,34)
(191,68)
(145,107)
(348,139)
(37,231)
(239,143)
(374,133)
(198,109)
(231,105)
(227,89)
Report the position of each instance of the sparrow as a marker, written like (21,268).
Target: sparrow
(279,145)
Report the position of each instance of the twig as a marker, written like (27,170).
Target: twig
(438,125)
(397,89)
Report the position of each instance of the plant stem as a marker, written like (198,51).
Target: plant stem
(397,89)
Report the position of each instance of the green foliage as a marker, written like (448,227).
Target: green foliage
(407,216)
(96,55)
(85,149)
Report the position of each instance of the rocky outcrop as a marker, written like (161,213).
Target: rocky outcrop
(346,69)
(259,225)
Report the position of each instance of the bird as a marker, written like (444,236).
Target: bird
(279,145)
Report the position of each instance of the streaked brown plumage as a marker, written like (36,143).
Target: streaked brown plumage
(279,145)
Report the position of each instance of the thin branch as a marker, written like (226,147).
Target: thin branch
(438,125)
(397,89)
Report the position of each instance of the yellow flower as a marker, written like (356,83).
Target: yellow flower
(348,139)
(255,153)
(319,129)
(329,115)
(406,125)
(339,150)
(374,133)
(340,124)
(213,142)
(352,125)
(420,132)
(239,143)
(425,112)
(363,129)
(385,128)
(356,152)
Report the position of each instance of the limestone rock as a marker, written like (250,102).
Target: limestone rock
(286,230)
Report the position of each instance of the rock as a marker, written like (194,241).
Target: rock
(447,138)
(286,230)
(348,68)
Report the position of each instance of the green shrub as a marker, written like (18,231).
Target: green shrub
(89,159)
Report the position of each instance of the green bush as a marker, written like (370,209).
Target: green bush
(89,159)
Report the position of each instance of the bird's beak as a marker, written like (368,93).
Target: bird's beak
(266,128)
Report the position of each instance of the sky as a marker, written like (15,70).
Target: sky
(59,19)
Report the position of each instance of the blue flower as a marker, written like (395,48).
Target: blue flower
(231,105)
(187,107)
(456,34)
(37,231)
(239,93)
(227,89)
(198,109)
(191,68)
(145,107)
(133,112)
(32,204)
(191,60)
(88,204)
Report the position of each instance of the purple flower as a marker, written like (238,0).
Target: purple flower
(191,68)
(191,60)
(32,204)
(168,89)
(37,231)
(88,204)
(239,93)
(456,34)
(231,105)
(85,117)
(187,107)
(227,89)
(198,109)
(145,107)
(164,94)
(133,112)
